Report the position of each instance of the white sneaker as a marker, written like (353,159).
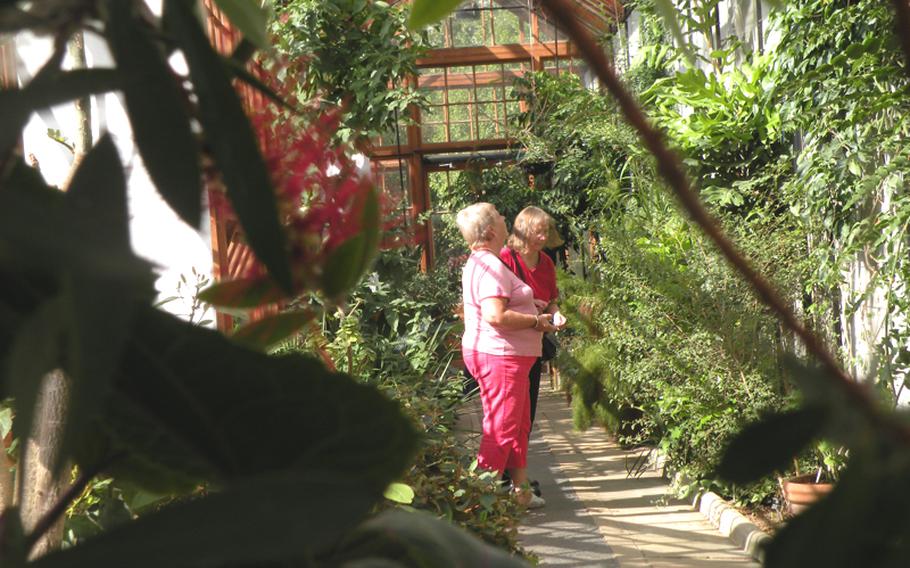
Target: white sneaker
(528,499)
(536,502)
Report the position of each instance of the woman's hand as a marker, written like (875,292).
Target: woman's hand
(545,323)
(559,320)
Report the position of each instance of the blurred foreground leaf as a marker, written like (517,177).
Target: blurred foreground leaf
(769,444)
(271,518)
(233,144)
(420,540)
(270,330)
(158,115)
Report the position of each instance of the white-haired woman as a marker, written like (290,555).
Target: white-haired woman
(501,342)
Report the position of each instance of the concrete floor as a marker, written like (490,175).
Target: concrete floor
(597,515)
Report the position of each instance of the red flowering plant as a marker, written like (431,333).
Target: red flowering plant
(331,211)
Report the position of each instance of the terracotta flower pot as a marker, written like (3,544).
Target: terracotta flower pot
(802,491)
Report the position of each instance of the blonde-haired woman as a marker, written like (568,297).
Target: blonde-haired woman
(532,231)
(501,342)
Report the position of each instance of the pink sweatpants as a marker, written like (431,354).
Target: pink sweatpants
(504,394)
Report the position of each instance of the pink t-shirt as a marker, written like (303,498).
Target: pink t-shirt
(485,276)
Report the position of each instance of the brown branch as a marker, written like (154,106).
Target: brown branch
(669,166)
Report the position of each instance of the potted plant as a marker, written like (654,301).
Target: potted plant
(803,489)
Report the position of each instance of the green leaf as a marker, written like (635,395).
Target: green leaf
(399,493)
(426,12)
(420,540)
(768,445)
(190,404)
(669,14)
(6,421)
(250,17)
(157,112)
(347,263)
(269,519)
(270,330)
(855,168)
(242,293)
(233,144)
(343,266)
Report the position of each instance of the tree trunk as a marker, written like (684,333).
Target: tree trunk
(40,491)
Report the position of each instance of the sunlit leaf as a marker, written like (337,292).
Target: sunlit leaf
(233,144)
(670,16)
(399,493)
(426,12)
(157,112)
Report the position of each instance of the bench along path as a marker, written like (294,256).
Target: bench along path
(597,515)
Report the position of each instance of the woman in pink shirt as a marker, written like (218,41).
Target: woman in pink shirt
(502,340)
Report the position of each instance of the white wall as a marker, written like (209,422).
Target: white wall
(156,233)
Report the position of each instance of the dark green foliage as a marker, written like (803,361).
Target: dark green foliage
(505,187)
(352,55)
(672,349)
(843,89)
(597,162)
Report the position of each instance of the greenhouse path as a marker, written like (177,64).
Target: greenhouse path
(597,515)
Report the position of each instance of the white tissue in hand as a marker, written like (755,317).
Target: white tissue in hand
(559,319)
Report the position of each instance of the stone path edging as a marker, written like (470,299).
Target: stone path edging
(733,524)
